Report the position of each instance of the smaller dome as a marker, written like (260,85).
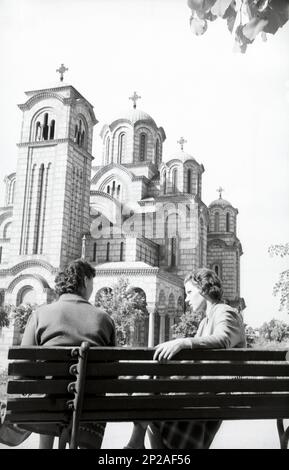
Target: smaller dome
(181,155)
(220,202)
(134,114)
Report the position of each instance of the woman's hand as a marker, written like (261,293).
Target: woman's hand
(168,349)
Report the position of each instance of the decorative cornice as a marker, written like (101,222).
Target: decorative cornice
(128,271)
(45,143)
(50,143)
(26,265)
(39,97)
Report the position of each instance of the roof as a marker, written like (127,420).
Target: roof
(134,115)
(220,202)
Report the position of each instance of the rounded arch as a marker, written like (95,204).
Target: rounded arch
(5,216)
(23,277)
(26,295)
(7,230)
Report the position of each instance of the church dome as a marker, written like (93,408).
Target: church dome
(134,115)
(220,202)
(183,156)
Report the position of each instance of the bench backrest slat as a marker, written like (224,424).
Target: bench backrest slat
(152,369)
(114,354)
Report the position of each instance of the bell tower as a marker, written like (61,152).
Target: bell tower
(51,203)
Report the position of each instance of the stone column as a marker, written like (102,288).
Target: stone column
(171,323)
(162,327)
(151,327)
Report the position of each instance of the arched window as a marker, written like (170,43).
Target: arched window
(45,127)
(201,244)
(121,251)
(80,134)
(108,189)
(173,252)
(94,251)
(46,130)
(107,150)
(121,147)
(52,129)
(38,131)
(142,147)
(217,269)
(107,251)
(228,222)
(75,133)
(157,154)
(175,180)
(217,222)
(165,182)
(118,191)
(189,181)
(11,192)
(113,189)
(198,184)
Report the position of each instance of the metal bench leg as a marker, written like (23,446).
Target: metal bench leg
(283,434)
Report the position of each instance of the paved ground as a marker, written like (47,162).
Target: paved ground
(232,435)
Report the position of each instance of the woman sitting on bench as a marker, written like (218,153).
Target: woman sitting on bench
(222,327)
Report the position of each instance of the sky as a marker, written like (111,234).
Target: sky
(233,109)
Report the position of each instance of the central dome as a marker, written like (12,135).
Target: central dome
(134,115)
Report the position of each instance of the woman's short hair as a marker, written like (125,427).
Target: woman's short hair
(71,279)
(209,283)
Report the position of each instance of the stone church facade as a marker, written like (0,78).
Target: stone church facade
(135,214)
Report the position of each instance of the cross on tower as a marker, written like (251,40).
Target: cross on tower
(134,98)
(182,141)
(220,190)
(62,70)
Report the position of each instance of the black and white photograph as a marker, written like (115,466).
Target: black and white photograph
(144,229)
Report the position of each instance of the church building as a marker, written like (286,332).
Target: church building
(136,213)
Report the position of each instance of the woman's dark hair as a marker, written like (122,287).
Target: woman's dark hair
(71,279)
(209,283)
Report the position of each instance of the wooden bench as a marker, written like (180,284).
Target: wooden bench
(72,385)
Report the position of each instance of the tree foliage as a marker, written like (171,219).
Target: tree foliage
(281,287)
(274,330)
(187,325)
(246,19)
(4,316)
(21,315)
(127,307)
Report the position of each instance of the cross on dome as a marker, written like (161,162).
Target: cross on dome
(182,141)
(134,98)
(62,69)
(220,190)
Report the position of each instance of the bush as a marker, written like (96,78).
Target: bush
(4,316)
(21,315)
(126,306)
(187,325)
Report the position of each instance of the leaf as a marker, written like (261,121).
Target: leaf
(198,26)
(254,27)
(220,7)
